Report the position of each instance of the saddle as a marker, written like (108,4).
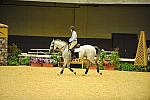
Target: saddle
(77,46)
(75,54)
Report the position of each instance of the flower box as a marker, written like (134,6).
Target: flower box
(47,65)
(109,66)
(93,67)
(36,65)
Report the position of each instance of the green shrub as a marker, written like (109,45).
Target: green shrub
(101,67)
(126,67)
(13,55)
(130,67)
(111,56)
(148,68)
(141,68)
(25,61)
(13,60)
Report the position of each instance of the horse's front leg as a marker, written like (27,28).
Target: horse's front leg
(64,66)
(68,66)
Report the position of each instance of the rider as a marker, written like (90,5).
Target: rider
(73,39)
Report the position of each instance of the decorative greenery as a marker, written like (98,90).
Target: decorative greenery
(13,52)
(125,67)
(130,67)
(55,56)
(148,68)
(111,56)
(101,67)
(24,61)
(141,69)
(114,58)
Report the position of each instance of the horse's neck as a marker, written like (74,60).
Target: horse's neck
(64,49)
(60,43)
(62,46)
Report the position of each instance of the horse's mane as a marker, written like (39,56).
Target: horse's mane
(61,41)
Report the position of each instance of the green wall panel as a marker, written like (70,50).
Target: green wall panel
(90,22)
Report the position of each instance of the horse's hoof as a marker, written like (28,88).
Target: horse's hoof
(84,74)
(58,74)
(75,73)
(100,73)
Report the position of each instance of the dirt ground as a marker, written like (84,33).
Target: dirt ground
(37,83)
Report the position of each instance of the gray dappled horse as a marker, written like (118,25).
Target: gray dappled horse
(87,51)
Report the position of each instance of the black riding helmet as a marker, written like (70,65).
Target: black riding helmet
(72,27)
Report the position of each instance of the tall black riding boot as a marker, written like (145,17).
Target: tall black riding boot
(72,54)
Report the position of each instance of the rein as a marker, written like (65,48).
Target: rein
(63,47)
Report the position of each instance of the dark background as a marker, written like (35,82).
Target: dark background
(127,43)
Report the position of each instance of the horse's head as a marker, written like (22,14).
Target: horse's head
(51,48)
(57,45)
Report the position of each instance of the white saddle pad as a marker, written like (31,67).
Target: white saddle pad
(77,50)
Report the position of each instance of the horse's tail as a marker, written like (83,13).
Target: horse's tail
(98,51)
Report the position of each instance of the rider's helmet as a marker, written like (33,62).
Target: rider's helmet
(72,27)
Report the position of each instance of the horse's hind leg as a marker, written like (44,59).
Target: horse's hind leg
(98,71)
(87,63)
(68,66)
(98,68)
(86,71)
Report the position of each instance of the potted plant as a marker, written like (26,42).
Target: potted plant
(47,63)
(42,62)
(109,60)
(36,62)
(13,55)
(55,58)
